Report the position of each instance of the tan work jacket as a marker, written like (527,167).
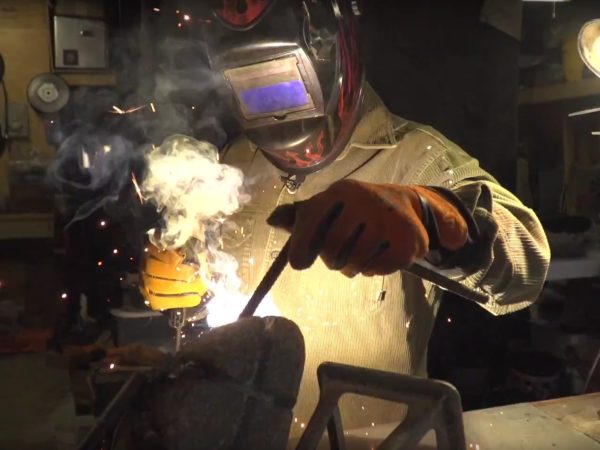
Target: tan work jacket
(383,322)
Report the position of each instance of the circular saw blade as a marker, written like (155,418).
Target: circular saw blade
(48,93)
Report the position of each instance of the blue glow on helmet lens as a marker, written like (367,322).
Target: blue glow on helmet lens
(275,97)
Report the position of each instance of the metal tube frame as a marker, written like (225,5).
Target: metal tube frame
(431,405)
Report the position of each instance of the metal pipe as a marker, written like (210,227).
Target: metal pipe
(446,283)
(267,282)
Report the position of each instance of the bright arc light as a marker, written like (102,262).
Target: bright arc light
(226,307)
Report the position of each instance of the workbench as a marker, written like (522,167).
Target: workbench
(587,266)
(571,423)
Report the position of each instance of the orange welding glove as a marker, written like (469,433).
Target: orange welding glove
(373,229)
(166,282)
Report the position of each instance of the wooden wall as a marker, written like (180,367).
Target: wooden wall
(25,46)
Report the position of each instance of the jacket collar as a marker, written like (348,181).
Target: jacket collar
(377,125)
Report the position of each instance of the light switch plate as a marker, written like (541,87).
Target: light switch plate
(18,120)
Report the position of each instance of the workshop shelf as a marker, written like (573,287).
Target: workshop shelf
(557,92)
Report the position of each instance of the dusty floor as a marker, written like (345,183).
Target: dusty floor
(36,407)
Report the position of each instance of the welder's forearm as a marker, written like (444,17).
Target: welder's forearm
(513,261)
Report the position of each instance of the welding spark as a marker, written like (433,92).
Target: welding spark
(186,17)
(63,295)
(137,188)
(117,110)
(156,9)
(152,107)
(179,25)
(102,223)
(111,366)
(107,149)
(85,159)
(100,263)
(115,251)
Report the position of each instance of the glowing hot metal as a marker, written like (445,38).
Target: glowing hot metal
(137,188)
(117,110)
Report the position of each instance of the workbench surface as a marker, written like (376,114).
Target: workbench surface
(571,423)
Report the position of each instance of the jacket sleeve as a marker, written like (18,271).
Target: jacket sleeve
(514,256)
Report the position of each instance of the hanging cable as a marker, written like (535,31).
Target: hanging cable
(4,129)
(5,107)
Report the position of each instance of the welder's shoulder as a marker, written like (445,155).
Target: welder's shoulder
(450,155)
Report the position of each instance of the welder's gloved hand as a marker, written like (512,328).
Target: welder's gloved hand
(167,282)
(373,229)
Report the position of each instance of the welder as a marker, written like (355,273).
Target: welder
(372,193)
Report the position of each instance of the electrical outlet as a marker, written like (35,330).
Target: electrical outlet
(18,120)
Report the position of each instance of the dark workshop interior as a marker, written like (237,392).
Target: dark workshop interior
(124,228)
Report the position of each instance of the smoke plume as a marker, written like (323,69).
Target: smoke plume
(194,194)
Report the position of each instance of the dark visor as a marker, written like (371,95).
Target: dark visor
(272,88)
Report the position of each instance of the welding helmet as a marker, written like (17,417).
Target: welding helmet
(292,68)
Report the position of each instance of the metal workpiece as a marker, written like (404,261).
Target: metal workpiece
(432,405)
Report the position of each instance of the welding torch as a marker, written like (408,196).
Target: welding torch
(417,269)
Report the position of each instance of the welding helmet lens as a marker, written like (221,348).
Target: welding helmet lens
(270,89)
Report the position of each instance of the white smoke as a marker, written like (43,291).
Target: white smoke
(195,194)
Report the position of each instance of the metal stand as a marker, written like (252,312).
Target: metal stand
(112,414)
(431,405)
